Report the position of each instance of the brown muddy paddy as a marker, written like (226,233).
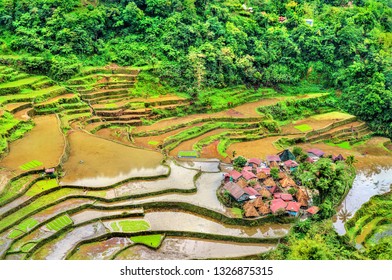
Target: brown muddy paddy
(188,145)
(44,143)
(181,249)
(158,139)
(94,161)
(103,250)
(259,148)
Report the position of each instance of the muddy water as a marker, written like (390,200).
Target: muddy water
(180,178)
(98,162)
(366,184)
(103,250)
(164,220)
(205,196)
(211,165)
(181,248)
(59,249)
(44,143)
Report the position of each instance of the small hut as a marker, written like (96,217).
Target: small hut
(232,176)
(265,193)
(273,160)
(315,153)
(254,162)
(302,197)
(262,175)
(242,183)
(282,175)
(251,191)
(248,176)
(293,208)
(286,155)
(287,182)
(313,210)
(250,210)
(261,206)
(286,197)
(338,158)
(257,187)
(270,182)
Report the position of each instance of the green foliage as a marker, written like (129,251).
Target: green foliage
(239,162)
(59,223)
(23,227)
(331,180)
(275,173)
(153,241)
(130,226)
(30,165)
(310,240)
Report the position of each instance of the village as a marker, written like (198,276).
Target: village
(265,187)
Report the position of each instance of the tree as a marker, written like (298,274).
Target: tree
(275,173)
(239,162)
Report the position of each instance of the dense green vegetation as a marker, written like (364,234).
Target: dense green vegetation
(194,45)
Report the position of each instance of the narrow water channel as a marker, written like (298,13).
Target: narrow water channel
(367,183)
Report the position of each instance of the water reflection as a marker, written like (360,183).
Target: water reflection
(367,183)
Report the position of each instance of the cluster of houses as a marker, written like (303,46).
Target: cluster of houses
(260,194)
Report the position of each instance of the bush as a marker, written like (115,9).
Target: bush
(239,162)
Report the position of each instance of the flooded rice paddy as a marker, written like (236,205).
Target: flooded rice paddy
(189,248)
(366,184)
(44,143)
(97,162)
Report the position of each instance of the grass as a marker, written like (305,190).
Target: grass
(130,226)
(153,143)
(22,82)
(237,212)
(7,122)
(111,105)
(23,227)
(153,241)
(41,186)
(303,127)
(27,247)
(59,223)
(188,154)
(30,165)
(14,187)
(345,145)
(332,115)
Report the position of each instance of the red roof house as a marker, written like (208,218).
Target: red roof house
(277,204)
(251,191)
(313,210)
(254,161)
(293,206)
(273,158)
(290,163)
(248,175)
(233,174)
(316,152)
(236,191)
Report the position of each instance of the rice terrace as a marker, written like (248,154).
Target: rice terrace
(107,182)
(138,130)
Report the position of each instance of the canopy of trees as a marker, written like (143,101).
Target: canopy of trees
(201,43)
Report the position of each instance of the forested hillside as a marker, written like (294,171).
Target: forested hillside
(197,44)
